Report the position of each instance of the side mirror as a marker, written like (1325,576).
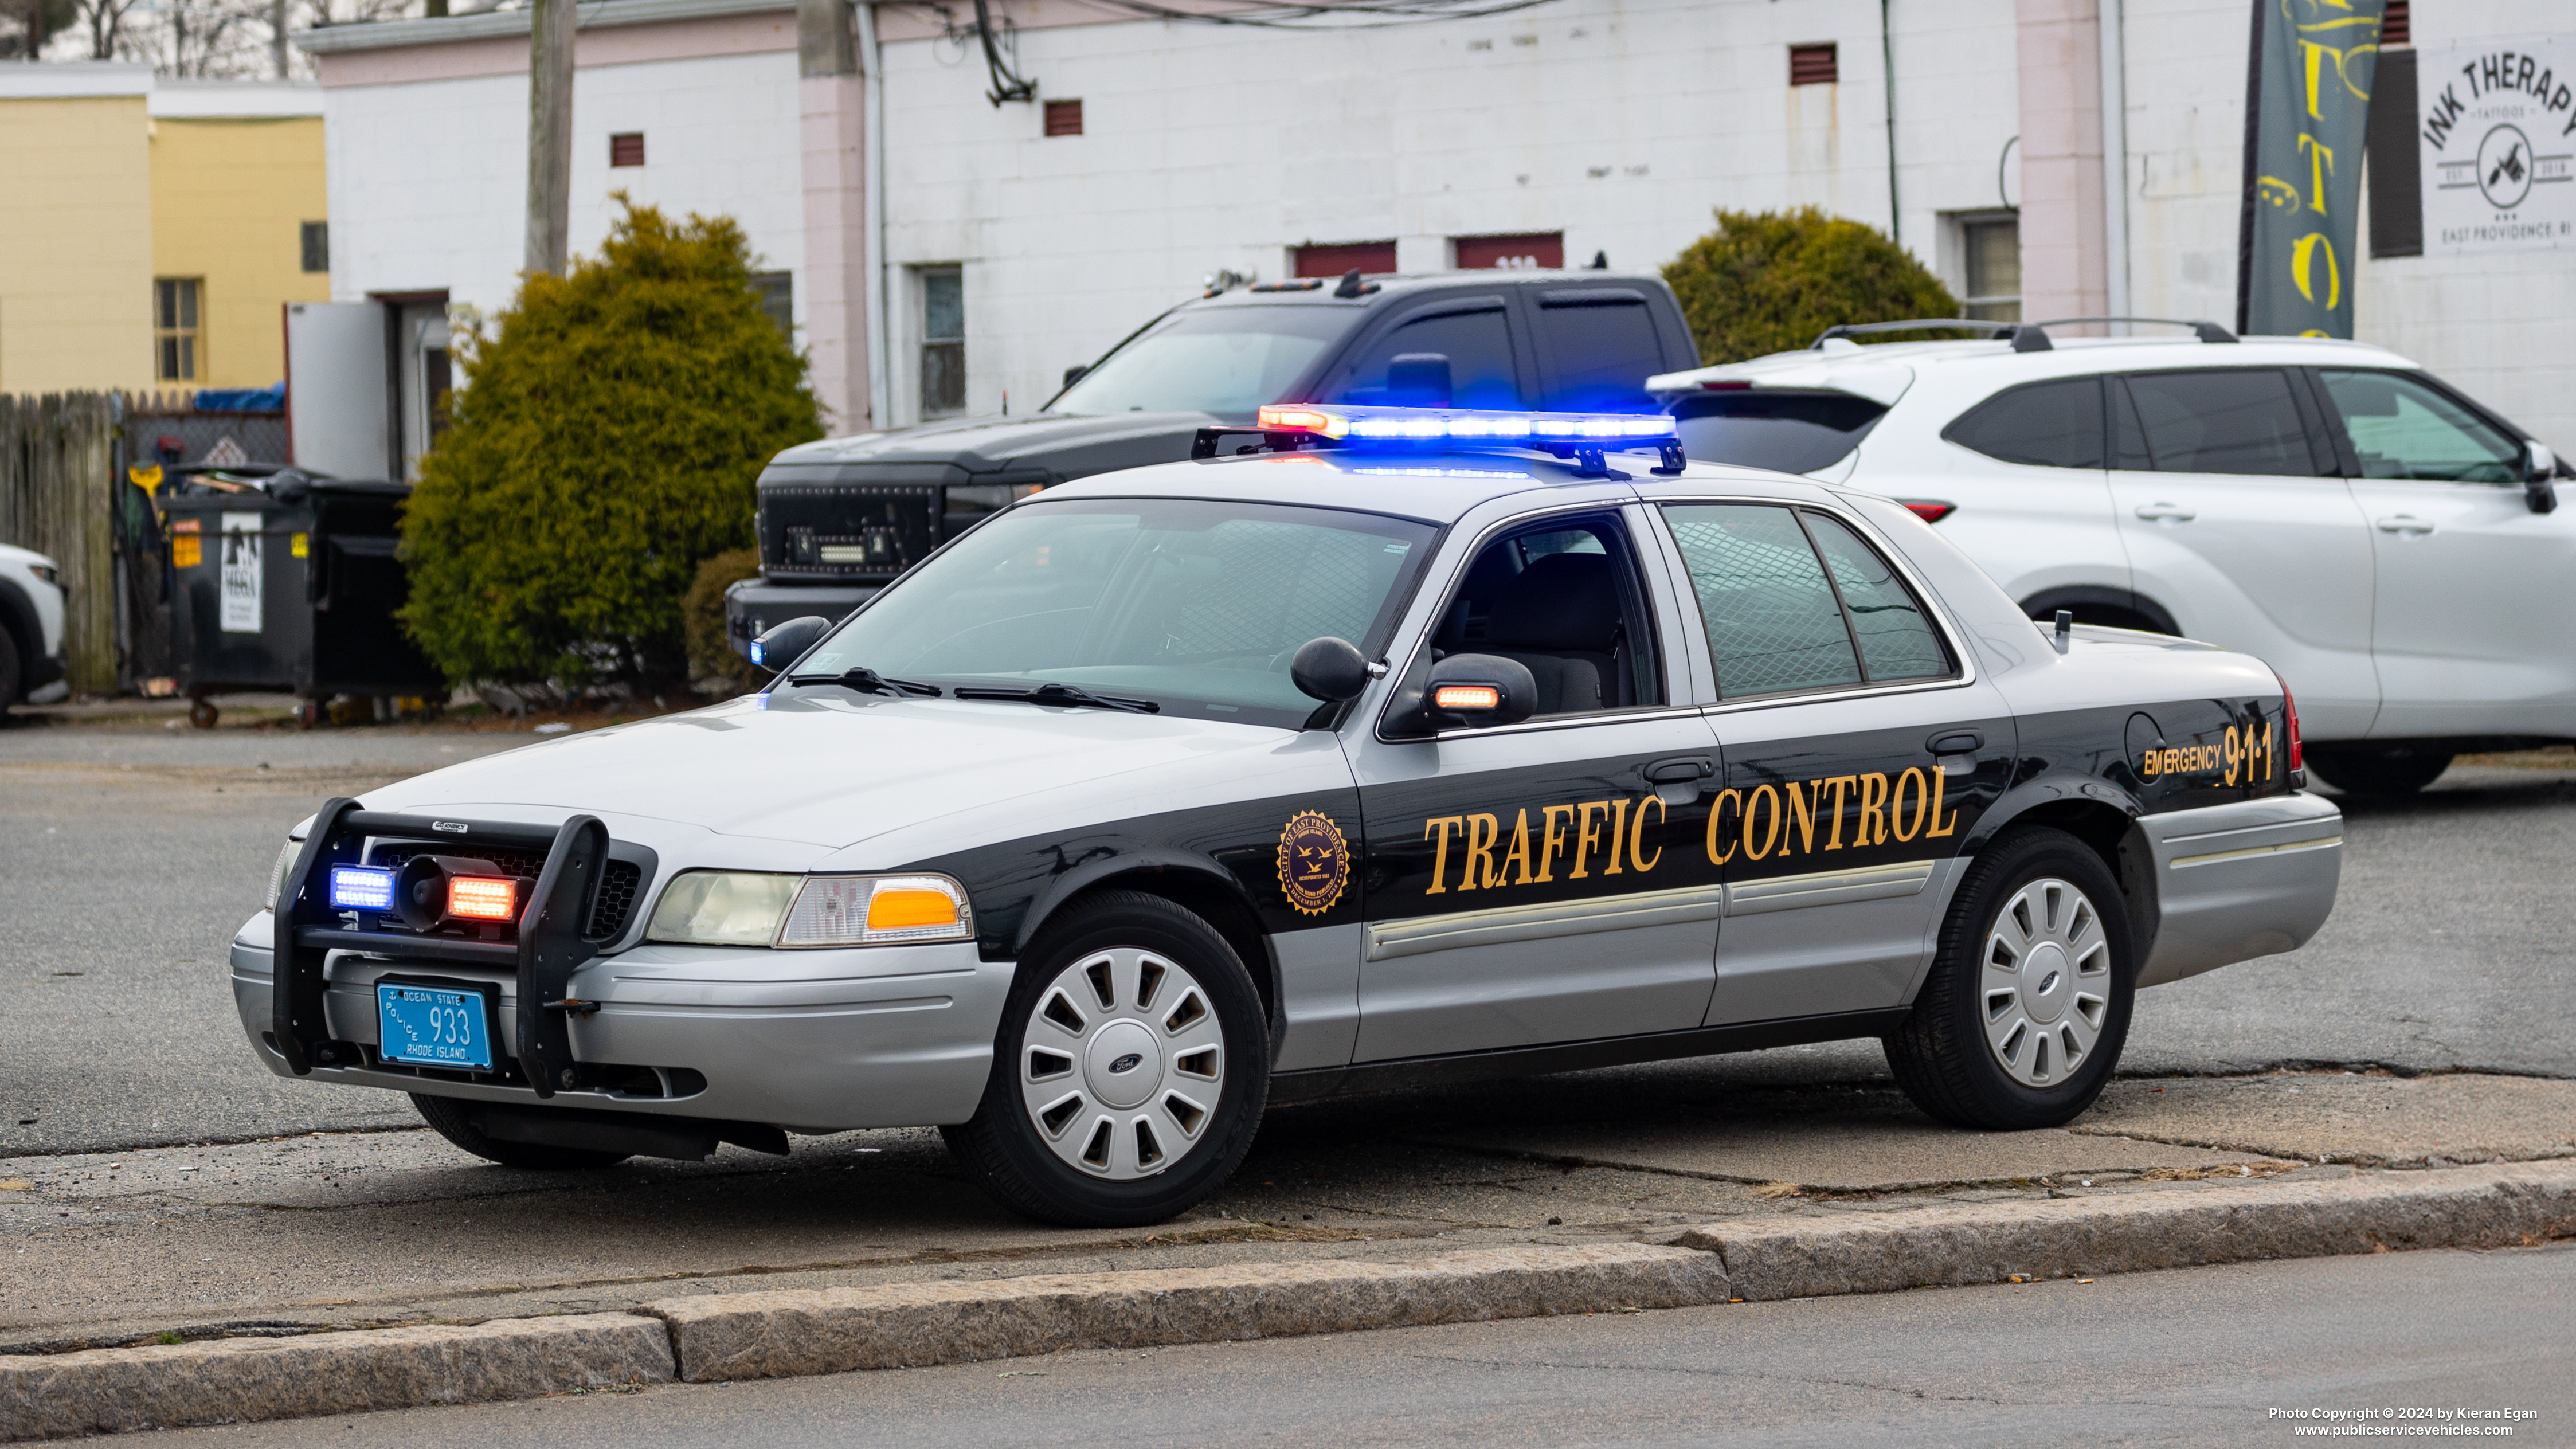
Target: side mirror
(1479,689)
(1418,380)
(1328,669)
(780,644)
(1074,373)
(2539,466)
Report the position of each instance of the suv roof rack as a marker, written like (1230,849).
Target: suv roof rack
(1913,324)
(2026,336)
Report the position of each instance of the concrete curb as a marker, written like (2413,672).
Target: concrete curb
(832,1330)
(796,1332)
(113,1390)
(2483,1207)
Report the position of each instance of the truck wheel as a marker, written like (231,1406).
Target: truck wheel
(1129,1073)
(455,1122)
(2385,770)
(2027,1005)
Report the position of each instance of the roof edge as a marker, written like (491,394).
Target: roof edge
(504,24)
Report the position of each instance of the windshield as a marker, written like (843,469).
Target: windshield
(1193,604)
(1222,360)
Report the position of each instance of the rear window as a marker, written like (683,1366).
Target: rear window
(1602,345)
(1788,432)
(2043,424)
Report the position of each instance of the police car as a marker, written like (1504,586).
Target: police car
(1369,747)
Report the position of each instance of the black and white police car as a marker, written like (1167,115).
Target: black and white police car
(1370,747)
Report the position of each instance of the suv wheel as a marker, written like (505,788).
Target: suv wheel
(455,1122)
(1129,1073)
(2387,770)
(2027,1006)
(11,674)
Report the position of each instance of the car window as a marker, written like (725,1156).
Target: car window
(2043,424)
(1477,344)
(1776,428)
(1222,360)
(2232,420)
(1897,640)
(1602,353)
(2402,428)
(1194,604)
(1773,622)
(1563,601)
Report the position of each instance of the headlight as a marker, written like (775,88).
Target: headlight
(740,908)
(45,573)
(277,872)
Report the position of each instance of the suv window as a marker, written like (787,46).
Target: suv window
(2232,420)
(2043,424)
(1782,619)
(1478,343)
(2403,428)
(1786,431)
(1563,600)
(1602,343)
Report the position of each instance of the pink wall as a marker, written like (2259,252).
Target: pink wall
(2062,254)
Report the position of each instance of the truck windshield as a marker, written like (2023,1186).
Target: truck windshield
(1194,605)
(1222,360)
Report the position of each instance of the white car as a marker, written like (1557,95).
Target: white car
(31,628)
(2386,543)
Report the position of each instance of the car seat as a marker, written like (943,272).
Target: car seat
(1560,617)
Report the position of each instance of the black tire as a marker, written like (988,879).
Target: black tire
(12,677)
(1005,1149)
(2379,770)
(454,1121)
(1942,1056)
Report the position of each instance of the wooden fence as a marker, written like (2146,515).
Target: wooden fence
(56,460)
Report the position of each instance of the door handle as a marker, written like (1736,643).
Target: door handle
(2405,523)
(1965,742)
(2162,512)
(1680,768)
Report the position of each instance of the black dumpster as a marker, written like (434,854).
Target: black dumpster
(288,581)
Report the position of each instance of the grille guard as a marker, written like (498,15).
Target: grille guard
(550,947)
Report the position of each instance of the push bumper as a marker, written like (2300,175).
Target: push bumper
(2236,881)
(755,606)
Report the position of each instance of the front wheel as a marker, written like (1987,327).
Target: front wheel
(1129,1073)
(2027,1005)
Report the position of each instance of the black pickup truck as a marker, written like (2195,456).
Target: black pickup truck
(840,518)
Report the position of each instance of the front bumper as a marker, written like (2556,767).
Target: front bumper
(2241,880)
(812,1041)
(755,606)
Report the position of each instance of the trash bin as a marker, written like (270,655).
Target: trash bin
(288,581)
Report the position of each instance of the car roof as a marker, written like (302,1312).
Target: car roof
(1842,360)
(1387,287)
(1434,488)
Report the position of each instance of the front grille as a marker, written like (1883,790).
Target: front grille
(515,862)
(824,531)
(618,883)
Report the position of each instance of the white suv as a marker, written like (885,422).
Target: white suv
(31,628)
(2387,544)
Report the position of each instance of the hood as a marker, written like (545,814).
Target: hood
(992,444)
(823,770)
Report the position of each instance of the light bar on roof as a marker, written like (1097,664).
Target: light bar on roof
(1451,426)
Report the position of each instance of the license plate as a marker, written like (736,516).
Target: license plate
(433,1026)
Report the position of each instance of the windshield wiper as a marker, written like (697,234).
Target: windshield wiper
(868,681)
(1068,695)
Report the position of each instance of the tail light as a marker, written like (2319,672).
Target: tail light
(1930,510)
(2290,715)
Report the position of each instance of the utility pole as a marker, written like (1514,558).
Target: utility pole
(277,36)
(549,133)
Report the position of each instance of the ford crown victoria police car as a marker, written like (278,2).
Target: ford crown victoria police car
(1368,748)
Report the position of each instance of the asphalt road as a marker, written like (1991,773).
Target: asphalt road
(128,856)
(2199,1356)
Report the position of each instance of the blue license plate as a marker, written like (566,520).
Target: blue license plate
(433,1026)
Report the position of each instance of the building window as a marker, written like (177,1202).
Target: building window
(1064,118)
(2397,27)
(178,342)
(1510,253)
(1332,261)
(778,298)
(1814,65)
(1990,248)
(317,246)
(943,341)
(626,148)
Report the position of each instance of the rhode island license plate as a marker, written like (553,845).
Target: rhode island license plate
(433,1026)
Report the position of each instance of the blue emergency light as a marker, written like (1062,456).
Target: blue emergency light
(1584,437)
(361,888)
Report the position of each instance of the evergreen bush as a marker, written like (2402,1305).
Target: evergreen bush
(1770,281)
(712,658)
(605,442)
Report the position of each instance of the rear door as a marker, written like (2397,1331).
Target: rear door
(2475,592)
(2236,523)
(2033,499)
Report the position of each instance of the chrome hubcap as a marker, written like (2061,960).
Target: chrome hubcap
(1122,1064)
(2044,983)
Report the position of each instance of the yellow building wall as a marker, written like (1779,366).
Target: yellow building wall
(76,243)
(229,197)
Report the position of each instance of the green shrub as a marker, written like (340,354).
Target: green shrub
(606,440)
(710,656)
(1769,281)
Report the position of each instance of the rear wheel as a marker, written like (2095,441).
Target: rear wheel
(1129,1073)
(455,1121)
(2379,770)
(2027,1006)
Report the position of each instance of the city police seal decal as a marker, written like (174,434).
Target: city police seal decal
(1314,862)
